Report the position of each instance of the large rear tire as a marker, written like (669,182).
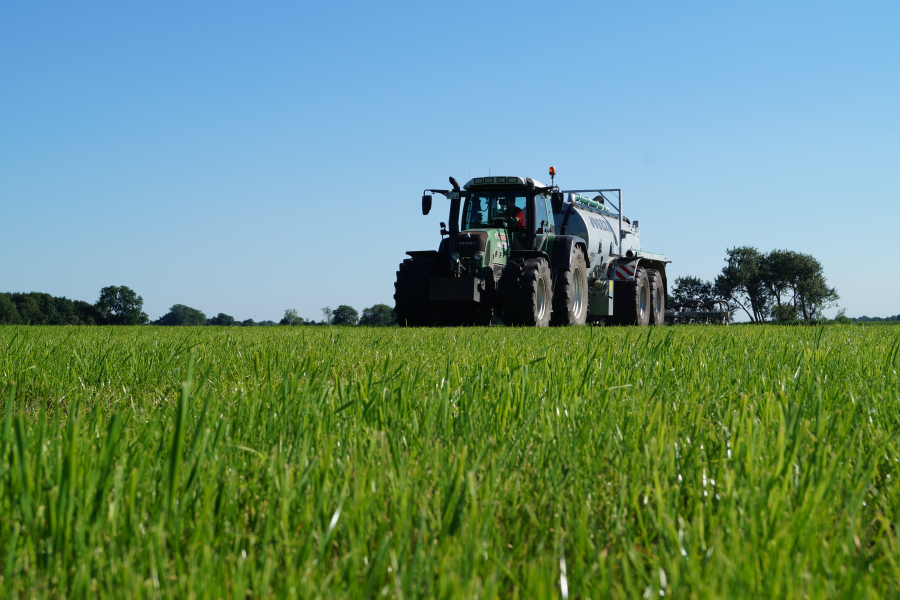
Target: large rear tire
(411,303)
(631,300)
(525,287)
(657,298)
(478,316)
(570,298)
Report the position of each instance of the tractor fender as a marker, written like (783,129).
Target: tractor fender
(529,254)
(562,250)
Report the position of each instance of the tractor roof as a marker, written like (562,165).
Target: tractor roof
(504,181)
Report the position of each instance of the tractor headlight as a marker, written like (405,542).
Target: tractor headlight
(479,255)
(455,256)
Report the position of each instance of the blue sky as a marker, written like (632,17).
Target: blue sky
(247,158)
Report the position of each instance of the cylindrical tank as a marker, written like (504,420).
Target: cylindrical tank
(597,226)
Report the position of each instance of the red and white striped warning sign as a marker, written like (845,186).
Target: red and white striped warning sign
(624,272)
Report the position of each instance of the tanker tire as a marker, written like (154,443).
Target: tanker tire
(570,297)
(631,300)
(411,303)
(657,298)
(525,288)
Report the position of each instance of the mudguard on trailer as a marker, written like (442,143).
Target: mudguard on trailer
(625,268)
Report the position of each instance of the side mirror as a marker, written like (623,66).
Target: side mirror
(426,204)
(556,201)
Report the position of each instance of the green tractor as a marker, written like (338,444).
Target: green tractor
(512,258)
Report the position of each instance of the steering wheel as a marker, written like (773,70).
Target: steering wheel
(508,222)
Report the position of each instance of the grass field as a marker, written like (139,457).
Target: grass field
(305,462)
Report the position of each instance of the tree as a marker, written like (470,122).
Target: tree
(120,305)
(180,314)
(815,296)
(379,314)
(783,284)
(741,283)
(248,323)
(291,318)
(327,314)
(345,315)
(9,314)
(87,313)
(29,311)
(801,275)
(691,288)
(221,319)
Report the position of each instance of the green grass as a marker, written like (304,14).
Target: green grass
(351,462)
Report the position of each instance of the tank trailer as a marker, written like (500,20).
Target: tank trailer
(533,255)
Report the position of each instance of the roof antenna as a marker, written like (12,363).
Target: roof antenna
(489,171)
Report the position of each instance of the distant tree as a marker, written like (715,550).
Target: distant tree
(741,283)
(29,310)
(379,314)
(87,314)
(47,305)
(9,314)
(814,295)
(120,305)
(327,315)
(345,315)
(784,313)
(841,317)
(692,288)
(221,319)
(180,314)
(783,284)
(267,323)
(800,275)
(248,323)
(291,318)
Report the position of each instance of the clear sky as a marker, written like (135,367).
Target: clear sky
(251,157)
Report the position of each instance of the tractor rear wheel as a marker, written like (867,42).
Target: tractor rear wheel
(631,300)
(468,316)
(570,298)
(657,298)
(525,287)
(411,303)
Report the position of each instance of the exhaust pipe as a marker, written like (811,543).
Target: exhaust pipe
(530,215)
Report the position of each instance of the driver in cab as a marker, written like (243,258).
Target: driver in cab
(511,212)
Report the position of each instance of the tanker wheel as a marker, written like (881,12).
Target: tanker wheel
(570,298)
(525,287)
(631,300)
(657,298)
(411,303)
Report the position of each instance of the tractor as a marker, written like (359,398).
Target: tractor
(531,255)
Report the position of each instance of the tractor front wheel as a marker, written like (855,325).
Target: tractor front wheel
(525,287)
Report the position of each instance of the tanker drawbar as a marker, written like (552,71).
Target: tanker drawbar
(532,255)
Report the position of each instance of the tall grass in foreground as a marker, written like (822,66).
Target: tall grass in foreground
(337,462)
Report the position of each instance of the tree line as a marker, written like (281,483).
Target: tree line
(120,305)
(374,316)
(781,285)
(117,305)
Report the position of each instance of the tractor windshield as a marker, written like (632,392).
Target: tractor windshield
(495,208)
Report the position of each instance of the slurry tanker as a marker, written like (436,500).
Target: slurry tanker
(533,255)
